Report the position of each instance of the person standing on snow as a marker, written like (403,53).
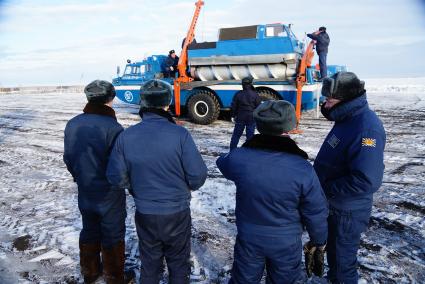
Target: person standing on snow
(89,138)
(350,168)
(159,162)
(243,104)
(277,193)
(322,43)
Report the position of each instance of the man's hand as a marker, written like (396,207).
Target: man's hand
(233,119)
(314,259)
(171,68)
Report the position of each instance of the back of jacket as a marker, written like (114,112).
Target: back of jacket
(243,105)
(89,139)
(276,193)
(350,163)
(159,162)
(322,41)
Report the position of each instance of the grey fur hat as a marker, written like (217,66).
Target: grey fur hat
(343,86)
(99,91)
(275,117)
(155,94)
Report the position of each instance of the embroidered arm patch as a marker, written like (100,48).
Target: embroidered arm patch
(368,142)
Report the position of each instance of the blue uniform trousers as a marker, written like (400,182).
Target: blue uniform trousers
(345,228)
(103,220)
(281,256)
(164,236)
(322,64)
(238,131)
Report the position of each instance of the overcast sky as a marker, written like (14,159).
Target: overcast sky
(50,42)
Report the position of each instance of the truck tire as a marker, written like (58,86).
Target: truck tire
(267,95)
(203,107)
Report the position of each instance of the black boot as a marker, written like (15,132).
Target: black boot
(90,262)
(113,263)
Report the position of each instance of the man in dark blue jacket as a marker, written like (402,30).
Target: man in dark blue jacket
(322,43)
(243,104)
(277,193)
(89,138)
(350,168)
(171,63)
(160,164)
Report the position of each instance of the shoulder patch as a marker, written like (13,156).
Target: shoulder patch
(368,142)
(333,141)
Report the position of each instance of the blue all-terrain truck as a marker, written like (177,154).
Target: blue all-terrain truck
(270,54)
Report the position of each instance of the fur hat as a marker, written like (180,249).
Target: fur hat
(99,91)
(322,29)
(343,86)
(155,94)
(275,117)
(247,80)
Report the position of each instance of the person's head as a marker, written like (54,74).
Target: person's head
(275,117)
(172,53)
(155,94)
(340,87)
(100,92)
(247,83)
(322,29)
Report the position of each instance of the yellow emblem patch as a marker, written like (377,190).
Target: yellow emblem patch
(368,142)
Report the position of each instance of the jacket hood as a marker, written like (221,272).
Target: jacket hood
(275,143)
(100,109)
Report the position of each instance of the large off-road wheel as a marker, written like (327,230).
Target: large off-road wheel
(267,95)
(203,107)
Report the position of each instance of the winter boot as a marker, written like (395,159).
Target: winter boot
(113,263)
(90,262)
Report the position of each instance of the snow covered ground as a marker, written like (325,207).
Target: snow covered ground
(39,218)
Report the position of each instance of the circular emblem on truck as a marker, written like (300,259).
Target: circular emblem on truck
(128,96)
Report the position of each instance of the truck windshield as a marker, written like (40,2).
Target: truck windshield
(134,70)
(275,30)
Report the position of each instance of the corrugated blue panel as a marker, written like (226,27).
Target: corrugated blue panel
(275,45)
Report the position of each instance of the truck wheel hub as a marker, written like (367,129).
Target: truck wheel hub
(201,108)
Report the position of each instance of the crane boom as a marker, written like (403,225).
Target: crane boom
(182,65)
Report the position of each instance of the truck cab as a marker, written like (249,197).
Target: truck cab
(127,85)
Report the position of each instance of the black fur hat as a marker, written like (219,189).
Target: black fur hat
(343,86)
(99,91)
(155,94)
(275,117)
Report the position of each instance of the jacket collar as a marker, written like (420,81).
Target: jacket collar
(100,109)
(146,112)
(275,143)
(346,110)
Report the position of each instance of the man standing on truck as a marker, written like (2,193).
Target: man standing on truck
(89,138)
(171,63)
(243,105)
(322,43)
(160,164)
(350,168)
(277,194)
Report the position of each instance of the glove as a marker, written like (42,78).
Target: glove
(314,259)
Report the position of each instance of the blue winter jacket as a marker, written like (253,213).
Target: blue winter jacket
(277,190)
(89,138)
(244,103)
(350,162)
(160,164)
(322,41)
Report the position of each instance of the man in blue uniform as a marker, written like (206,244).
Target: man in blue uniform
(243,104)
(89,138)
(160,164)
(277,193)
(322,43)
(171,63)
(350,168)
